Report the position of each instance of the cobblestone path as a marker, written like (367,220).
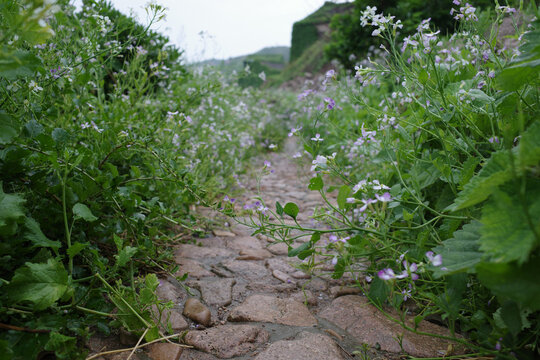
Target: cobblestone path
(252,302)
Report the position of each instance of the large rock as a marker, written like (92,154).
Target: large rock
(169,292)
(194,268)
(281,265)
(197,312)
(247,269)
(164,351)
(169,317)
(227,341)
(201,252)
(278,249)
(368,325)
(265,308)
(243,243)
(216,291)
(308,346)
(254,254)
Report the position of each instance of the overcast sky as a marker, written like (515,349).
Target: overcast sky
(221,29)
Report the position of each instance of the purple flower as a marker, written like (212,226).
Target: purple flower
(386,274)
(330,103)
(367,203)
(267,163)
(386,197)
(493,139)
(333,238)
(317,137)
(435,260)
(456,2)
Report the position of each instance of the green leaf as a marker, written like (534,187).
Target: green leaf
(11,212)
(151,282)
(423,77)
(506,234)
(279,209)
(316,183)
(34,234)
(7,134)
(125,255)
(529,147)
(118,242)
(511,316)
(495,172)
(343,194)
(291,209)
(6,353)
(308,148)
(76,248)
(61,344)
(40,284)
(82,211)
(518,283)
(461,252)
(18,63)
(60,136)
(378,291)
(299,249)
(33,128)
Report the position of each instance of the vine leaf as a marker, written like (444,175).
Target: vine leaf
(291,209)
(507,235)
(40,284)
(495,172)
(82,211)
(461,252)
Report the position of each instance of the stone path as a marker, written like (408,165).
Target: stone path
(250,301)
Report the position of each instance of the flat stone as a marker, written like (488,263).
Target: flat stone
(192,267)
(337,291)
(300,275)
(281,265)
(247,269)
(223,233)
(216,291)
(190,354)
(227,341)
(304,297)
(164,351)
(169,292)
(280,275)
(266,308)
(254,254)
(368,325)
(307,346)
(201,252)
(243,242)
(264,287)
(169,316)
(124,355)
(197,312)
(316,285)
(278,248)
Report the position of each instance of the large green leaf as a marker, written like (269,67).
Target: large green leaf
(495,172)
(291,209)
(40,284)
(18,63)
(461,252)
(529,147)
(82,211)
(507,235)
(34,234)
(518,283)
(11,212)
(343,194)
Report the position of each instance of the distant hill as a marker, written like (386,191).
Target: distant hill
(275,57)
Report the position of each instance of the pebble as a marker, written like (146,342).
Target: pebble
(196,311)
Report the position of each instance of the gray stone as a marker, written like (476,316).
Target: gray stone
(280,275)
(197,312)
(316,285)
(190,354)
(337,291)
(254,254)
(200,252)
(304,297)
(266,308)
(247,269)
(164,351)
(300,275)
(307,346)
(194,268)
(169,292)
(216,291)
(227,341)
(278,248)
(243,243)
(281,265)
(368,325)
(264,287)
(223,233)
(169,317)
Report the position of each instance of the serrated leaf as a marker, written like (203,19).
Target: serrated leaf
(343,194)
(291,209)
(34,234)
(506,235)
(19,63)
(316,183)
(125,255)
(81,211)
(495,172)
(460,253)
(40,284)
(529,147)
(378,291)
(60,136)
(511,316)
(33,128)
(518,283)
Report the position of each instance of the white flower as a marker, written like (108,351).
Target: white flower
(320,161)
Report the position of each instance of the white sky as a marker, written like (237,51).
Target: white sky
(229,27)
